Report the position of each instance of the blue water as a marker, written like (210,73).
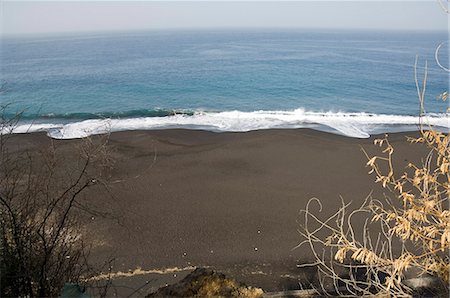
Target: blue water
(154,74)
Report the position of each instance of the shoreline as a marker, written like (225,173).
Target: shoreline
(351,124)
(229,201)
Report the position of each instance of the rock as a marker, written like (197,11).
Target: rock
(423,284)
(203,282)
(73,290)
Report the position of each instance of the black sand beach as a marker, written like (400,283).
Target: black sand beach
(230,201)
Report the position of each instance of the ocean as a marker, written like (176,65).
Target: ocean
(353,83)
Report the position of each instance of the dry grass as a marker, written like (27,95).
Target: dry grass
(136,272)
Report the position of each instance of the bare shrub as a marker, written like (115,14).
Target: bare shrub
(410,231)
(40,199)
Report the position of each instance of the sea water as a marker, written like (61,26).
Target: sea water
(354,83)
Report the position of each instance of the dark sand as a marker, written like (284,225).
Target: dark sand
(226,200)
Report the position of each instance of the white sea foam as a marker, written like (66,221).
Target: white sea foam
(357,125)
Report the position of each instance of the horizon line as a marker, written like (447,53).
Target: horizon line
(218,28)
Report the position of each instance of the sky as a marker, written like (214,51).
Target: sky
(28,17)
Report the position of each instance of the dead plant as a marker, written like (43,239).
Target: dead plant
(409,233)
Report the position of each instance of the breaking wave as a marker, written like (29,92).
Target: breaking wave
(357,125)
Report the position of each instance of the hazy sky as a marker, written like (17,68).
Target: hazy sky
(19,17)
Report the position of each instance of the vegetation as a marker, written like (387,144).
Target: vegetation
(41,196)
(408,231)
